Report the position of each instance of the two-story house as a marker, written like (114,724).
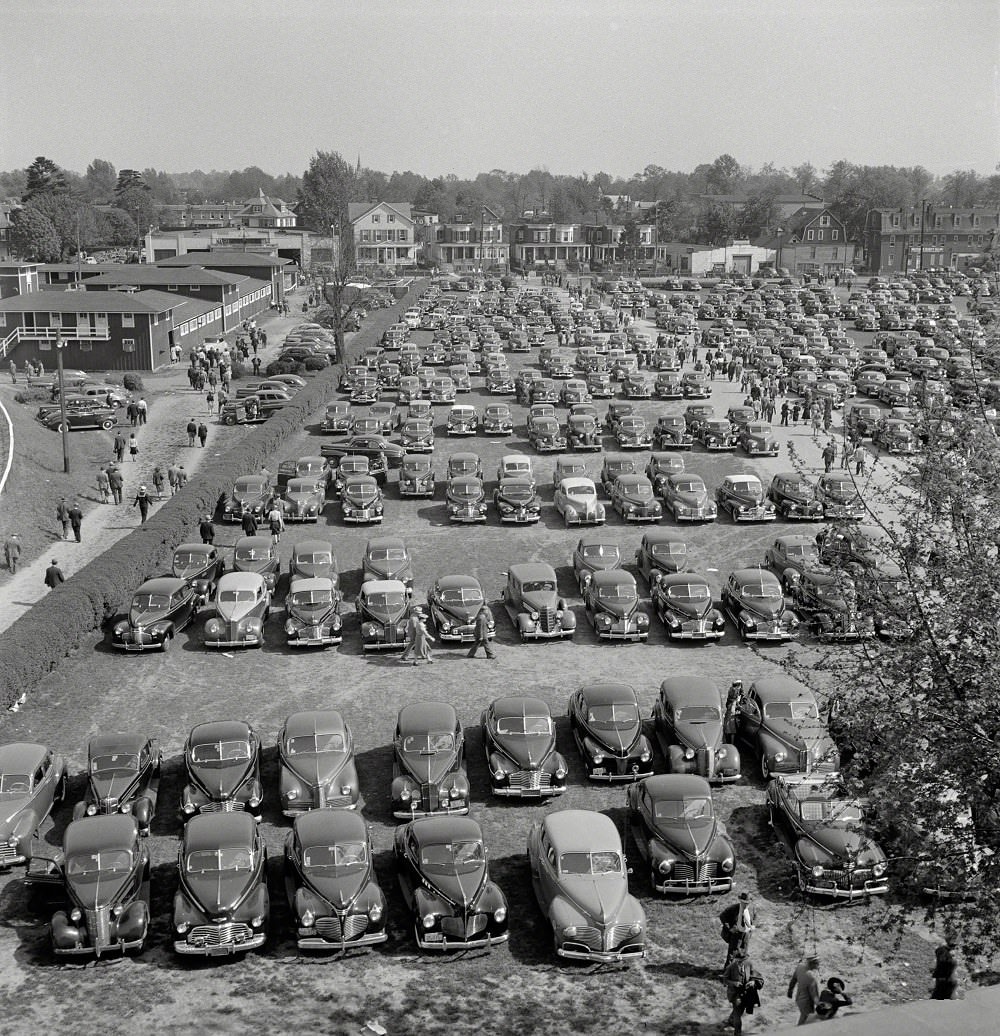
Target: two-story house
(383,234)
(467,245)
(811,241)
(539,241)
(928,237)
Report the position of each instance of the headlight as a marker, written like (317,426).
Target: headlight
(779,757)
(533,616)
(728,865)
(500,915)
(120,628)
(428,920)
(306,918)
(569,932)
(688,753)
(345,789)
(635,928)
(560,773)
(646,756)
(817,871)
(879,869)
(92,810)
(598,758)
(257,920)
(213,627)
(181,927)
(76,915)
(404,795)
(292,794)
(455,793)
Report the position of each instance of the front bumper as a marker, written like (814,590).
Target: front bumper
(338,937)
(841,886)
(572,950)
(755,514)
(310,636)
(131,641)
(223,940)
(520,517)
(691,886)
(362,516)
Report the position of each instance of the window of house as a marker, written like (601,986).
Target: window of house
(401,235)
(892,259)
(128,345)
(895,219)
(171,287)
(809,235)
(3,319)
(812,253)
(956,220)
(86,345)
(892,240)
(128,320)
(915,219)
(366,235)
(824,221)
(834,235)
(835,253)
(45,345)
(820,234)
(975,221)
(390,218)
(938,222)
(520,235)
(376,219)
(196,287)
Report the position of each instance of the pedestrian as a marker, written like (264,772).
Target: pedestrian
(743,984)
(172,478)
(192,430)
(76,520)
(412,636)
(202,432)
(275,522)
(263,338)
(860,460)
(221,399)
(484,619)
(945,984)
(143,407)
(12,552)
(829,456)
(62,515)
(255,363)
(133,447)
(119,447)
(207,529)
(210,400)
(157,479)
(816,418)
(249,523)
(784,414)
(796,410)
(182,476)
(424,638)
(832,998)
(142,502)
(117,482)
(846,454)
(104,486)
(803,987)
(133,413)
(731,719)
(53,575)
(13,372)
(738,925)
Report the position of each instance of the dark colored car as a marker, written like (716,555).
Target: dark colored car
(612,602)
(453,603)
(840,497)
(595,552)
(633,498)
(780,720)
(387,557)
(428,772)
(416,436)
(222,768)
(249,493)
(688,724)
(361,500)
(416,476)
(32,783)
(531,598)
(497,418)
(672,820)
(82,420)
(685,496)
(604,719)
(256,555)
(756,603)
(516,501)
(583,432)
(823,829)
(314,559)
(794,497)
(201,565)
(374,446)
(519,738)
(123,776)
(383,606)
(614,466)
(757,439)
(683,603)
(441,864)
(104,867)
(312,612)
(716,433)
(661,466)
(221,906)
(545,436)
(316,763)
(333,893)
(660,552)
(828,599)
(791,554)
(671,432)
(466,499)
(743,497)
(160,609)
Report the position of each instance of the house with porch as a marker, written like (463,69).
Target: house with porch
(383,234)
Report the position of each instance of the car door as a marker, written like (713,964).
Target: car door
(751,717)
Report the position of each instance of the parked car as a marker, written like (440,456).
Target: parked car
(222,769)
(583,432)
(827,599)
(716,434)
(611,599)
(515,465)
(757,439)
(671,432)
(531,599)
(312,610)
(466,499)
(497,419)
(660,551)
(580,879)
(633,498)
(614,466)
(744,498)
(568,466)
(794,497)
(88,417)
(304,500)
(257,555)
(516,501)
(606,726)
(387,557)
(316,767)
(416,436)
(595,552)
(250,493)
(160,609)
(32,784)
(313,559)
(428,772)
(685,496)
(123,776)
(545,436)
(201,565)
(382,606)
(840,497)
(333,892)
(221,906)
(632,433)
(372,446)
(242,606)
(519,739)
(453,603)
(361,500)
(823,828)
(683,603)
(463,420)
(688,724)
(779,719)
(416,476)
(104,871)
(465,464)
(754,599)
(576,500)
(661,466)
(792,553)
(672,821)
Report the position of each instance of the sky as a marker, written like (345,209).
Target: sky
(467,86)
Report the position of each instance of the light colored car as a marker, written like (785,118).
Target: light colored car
(576,500)
(32,783)
(242,606)
(515,465)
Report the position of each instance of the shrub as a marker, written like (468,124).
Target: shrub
(132,382)
(286,366)
(239,369)
(315,363)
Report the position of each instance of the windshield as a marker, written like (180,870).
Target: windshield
(831,811)
(761,592)
(354,466)
(429,744)
(15,784)
(517,492)
(690,485)
(387,599)
(448,857)
(314,744)
(665,550)
(208,861)
(582,491)
(417,467)
(362,490)
(304,598)
(253,554)
(697,714)
(838,485)
(683,809)
(93,865)
(466,490)
(345,855)
(246,486)
(185,558)
(640,491)
(600,550)
(462,595)
(457,466)
(221,752)
(122,761)
(688,592)
(150,602)
(791,710)
(532,726)
(537,585)
(745,487)
(801,550)
(590,863)
(387,554)
(314,559)
(237,596)
(616,592)
(616,716)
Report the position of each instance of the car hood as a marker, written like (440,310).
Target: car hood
(388,569)
(618,741)
(233,611)
(101,892)
(798,496)
(218,892)
(11,811)
(464,613)
(247,498)
(690,609)
(302,497)
(313,614)
(383,613)
(700,735)
(764,608)
(462,889)
(844,843)
(340,891)
(315,769)
(584,504)
(696,499)
(219,782)
(798,734)
(361,501)
(538,599)
(600,898)
(427,769)
(113,784)
(618,608)
(527,752)
(193,569)
(750,499)
(692,838)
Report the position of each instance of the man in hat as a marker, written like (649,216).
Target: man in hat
(12,551)
(53,575)
(482,629)
(142,502)
(207,529)
(62,515)
(413,628)
(743,983)
(116,482)
(76,520)
(739,920)
(804,987)
(192,430)
(103,486)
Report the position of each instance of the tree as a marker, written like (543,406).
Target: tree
(115,227)
(100,180)
(806,177)
(130,180)
(141,209)
(44,177)
(32,235)
(724,175)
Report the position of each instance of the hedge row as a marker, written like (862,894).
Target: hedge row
(36,643)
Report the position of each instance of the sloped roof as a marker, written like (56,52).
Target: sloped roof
(357,209)
(222,258)
(105,302)
(146,274)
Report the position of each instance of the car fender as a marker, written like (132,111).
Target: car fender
(677,762)
(729,759)
(134,922)
(563,913)
(426,902)
(809,854)
(306,899)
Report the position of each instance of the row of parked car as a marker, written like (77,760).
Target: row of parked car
(576,858)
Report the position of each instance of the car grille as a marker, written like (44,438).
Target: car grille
(429,797)
(219,935)
(229,806)
(333,930)
(99,926)
(8,853)
(705,759)
(547,621)
(109,805)
(464,927)
(389,635)
(610,939)
(849,879)
(701,871)
(530,780)
(804,763)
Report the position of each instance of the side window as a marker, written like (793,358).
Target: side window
(38,776)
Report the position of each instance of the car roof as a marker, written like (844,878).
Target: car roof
(195,548)
(582,831)
(382,586)
(433,830)
(219,830)
(300,584)
(109,744)
(330,826)
(599,537)
(311,458)
(612,577)
(312,547)
(520,705)
(220,730)
(515,458)
(251,480)
(464,455)
(677,786)
(421,716)
(458,582)
(240,581)
(743,476)
(532,570)
(691,690)
(90,834)
(21,756)
(631,478)
(572,482)
(302,483)
(608,693)
(314,721)
(661,536)
(256,542)
(755,575)
(781,688)
(161,585)
(384,543)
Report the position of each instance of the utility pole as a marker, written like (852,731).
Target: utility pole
(63,426)
(923,220)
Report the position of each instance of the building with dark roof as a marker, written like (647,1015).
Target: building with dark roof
(383,234)
(929,237)
(812,241)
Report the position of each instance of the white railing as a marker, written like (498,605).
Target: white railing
(50,334)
